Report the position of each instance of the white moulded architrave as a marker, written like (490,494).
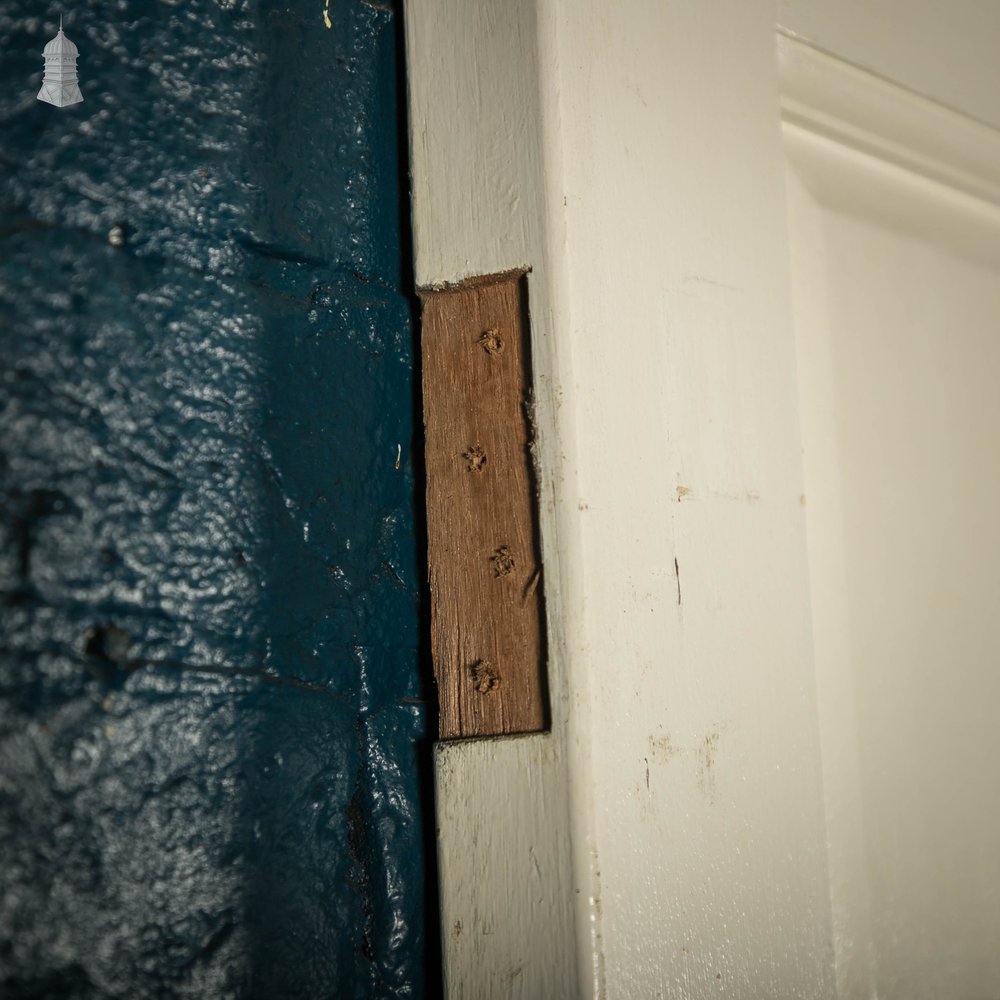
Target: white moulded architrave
(629,154)
(59,84)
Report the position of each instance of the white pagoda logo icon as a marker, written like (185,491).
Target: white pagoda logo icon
(59,85)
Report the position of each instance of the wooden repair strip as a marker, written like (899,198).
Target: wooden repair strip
(487,633)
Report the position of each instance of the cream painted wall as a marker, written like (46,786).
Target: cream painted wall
(943,49)
(897,296)
(914,359)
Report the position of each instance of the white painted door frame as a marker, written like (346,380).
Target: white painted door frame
(668,833)
(667,838)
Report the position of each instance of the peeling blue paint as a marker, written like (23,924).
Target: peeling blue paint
(212,711)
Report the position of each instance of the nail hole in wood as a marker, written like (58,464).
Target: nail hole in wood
(503,561)
(475,457)
(485,677)
(490,342)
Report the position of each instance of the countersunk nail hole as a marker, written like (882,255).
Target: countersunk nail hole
(475,457)
(490,341)
(485,677)
(503,561)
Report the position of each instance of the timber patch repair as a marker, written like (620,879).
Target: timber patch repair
(483,553)
(485,678)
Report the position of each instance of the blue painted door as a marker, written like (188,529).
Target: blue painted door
(211,708)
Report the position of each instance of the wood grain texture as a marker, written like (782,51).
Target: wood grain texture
(487,632)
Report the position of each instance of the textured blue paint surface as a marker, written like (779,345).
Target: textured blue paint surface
(211,706)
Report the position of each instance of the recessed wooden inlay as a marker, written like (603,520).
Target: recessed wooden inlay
(487,631)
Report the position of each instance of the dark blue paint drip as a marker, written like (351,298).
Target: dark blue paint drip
(212,710)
